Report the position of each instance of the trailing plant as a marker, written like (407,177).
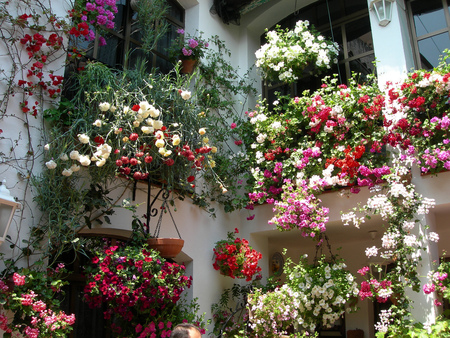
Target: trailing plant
(234,257)
(141,291)
(30,293)
(288,52)
(225,93)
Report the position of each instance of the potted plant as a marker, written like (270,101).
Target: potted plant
(141,292)
(32,295)
(314,295)
(288,52)
(189,50)
(234,257)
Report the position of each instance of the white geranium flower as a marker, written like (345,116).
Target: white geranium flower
(84,160)
(433,236)
(67,172)
(75,168)
(97,123)
(63,157)
(104,106)
(47,147)
(157,124)
(186,95)
(51,164)
(74,155)
(83,138)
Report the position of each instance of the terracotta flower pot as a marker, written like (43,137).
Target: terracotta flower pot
(187,66)
(167,247)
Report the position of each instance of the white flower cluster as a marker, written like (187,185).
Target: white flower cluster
(385,320)
(286,53)
(351,217)
(381,204)
(389,240)
(372,252)
(433,237)
(426,205)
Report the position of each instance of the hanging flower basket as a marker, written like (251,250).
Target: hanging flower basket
(289,53)
(235,258)
(167,247)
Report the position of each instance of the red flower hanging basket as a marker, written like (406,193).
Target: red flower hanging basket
(235,258)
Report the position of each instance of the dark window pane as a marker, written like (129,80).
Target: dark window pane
(167,40)
(363,66)
(428,16)
(359,37)
(352,6)
(112,53)
(120,17)
(176,12)
(432,48)
(163,65)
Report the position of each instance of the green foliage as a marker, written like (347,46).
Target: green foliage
(31,294)
(151,18)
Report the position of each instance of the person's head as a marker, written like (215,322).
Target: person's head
(185,330)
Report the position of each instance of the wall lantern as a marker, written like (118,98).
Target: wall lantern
(7,208)
(383,11)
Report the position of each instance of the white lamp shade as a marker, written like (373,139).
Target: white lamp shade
(383,11)
(7,208)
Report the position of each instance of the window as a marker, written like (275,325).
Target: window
(430,30)
(123,42)
(350,28)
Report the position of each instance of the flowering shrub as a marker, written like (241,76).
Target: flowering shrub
(193,48)
(299,209)
(439,282)
(87,14)
(32,296)
(418,122)
(156,131)
(313,296)
(288,52)
(141,291)
(330,138)
(273,313)
(235,258)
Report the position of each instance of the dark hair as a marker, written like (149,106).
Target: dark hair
(182,330)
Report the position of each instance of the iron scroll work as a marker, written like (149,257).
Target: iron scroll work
(153,211)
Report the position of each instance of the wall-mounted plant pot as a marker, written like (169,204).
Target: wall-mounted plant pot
(167,247)
(188,66)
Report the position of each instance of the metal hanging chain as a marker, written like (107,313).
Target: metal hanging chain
(332,37)
(320,247)
(153,212)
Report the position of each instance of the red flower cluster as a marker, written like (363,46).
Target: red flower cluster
(34,45)
(373,288)
(236,258)
(138,288)
(349,166)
